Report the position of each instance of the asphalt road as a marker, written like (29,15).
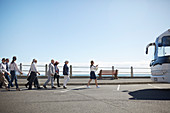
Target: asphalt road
(142,98)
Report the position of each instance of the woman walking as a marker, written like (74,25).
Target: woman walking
(33,76)
(13,68)
(93,69)
(56,75)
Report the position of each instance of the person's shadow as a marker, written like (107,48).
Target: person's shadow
(150,94)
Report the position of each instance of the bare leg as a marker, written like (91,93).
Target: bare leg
(89,82)
(96,82)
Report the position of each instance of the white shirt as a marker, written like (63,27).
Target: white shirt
(93,68)
(51,69)
(33,68)
(3,68)
(13,67)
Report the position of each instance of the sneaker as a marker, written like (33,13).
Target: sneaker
(39,88)
(64,87)
(26,85)
(44,86)
(7,89)
(29,88)
(97,87)
(53,87)
(59,86)
(88,86)
(18,89)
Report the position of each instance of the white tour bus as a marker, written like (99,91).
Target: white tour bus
(160,66)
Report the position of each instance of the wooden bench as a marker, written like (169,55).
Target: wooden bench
(114,73)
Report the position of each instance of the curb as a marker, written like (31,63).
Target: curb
(122,83)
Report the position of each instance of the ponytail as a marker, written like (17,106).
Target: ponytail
(14,59)
(33,61)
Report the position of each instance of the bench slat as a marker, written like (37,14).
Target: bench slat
(108,72)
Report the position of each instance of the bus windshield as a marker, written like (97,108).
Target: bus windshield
(163,51)
(166,41)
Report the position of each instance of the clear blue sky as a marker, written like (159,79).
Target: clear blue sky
(81,30)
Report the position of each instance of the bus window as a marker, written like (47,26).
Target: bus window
(167,51)
(163,51)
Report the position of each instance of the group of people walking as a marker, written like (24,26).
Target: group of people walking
(7,69)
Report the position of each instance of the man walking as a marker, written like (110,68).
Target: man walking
(51,73)
(6,75)
(2,72)
(66,74)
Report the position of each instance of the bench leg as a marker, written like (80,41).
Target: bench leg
(116,74)
(116,77)
(100,76)
(112,77)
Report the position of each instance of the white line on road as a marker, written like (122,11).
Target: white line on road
(80,87)
(64,91)
(118,87)
(154,86)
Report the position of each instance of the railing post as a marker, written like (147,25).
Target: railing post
(131,71)
(45,69)
(112,68)
(20,65)
(71,71)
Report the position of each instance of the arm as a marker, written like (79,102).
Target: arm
(95,68)
(51,70)
(57,70)
(10,66)
(17,68)
(34,66)
(3,70)
(65,70)
(29,71)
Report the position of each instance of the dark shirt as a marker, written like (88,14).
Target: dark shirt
(56,70)
(65,69)
(7,67)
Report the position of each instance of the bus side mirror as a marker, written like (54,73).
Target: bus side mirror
(146,50)
(151,44)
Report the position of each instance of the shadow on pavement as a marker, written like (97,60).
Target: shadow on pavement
(26,89)
(79,89)
(150,94)
(106,79)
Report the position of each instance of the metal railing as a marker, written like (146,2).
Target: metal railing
(85,69)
